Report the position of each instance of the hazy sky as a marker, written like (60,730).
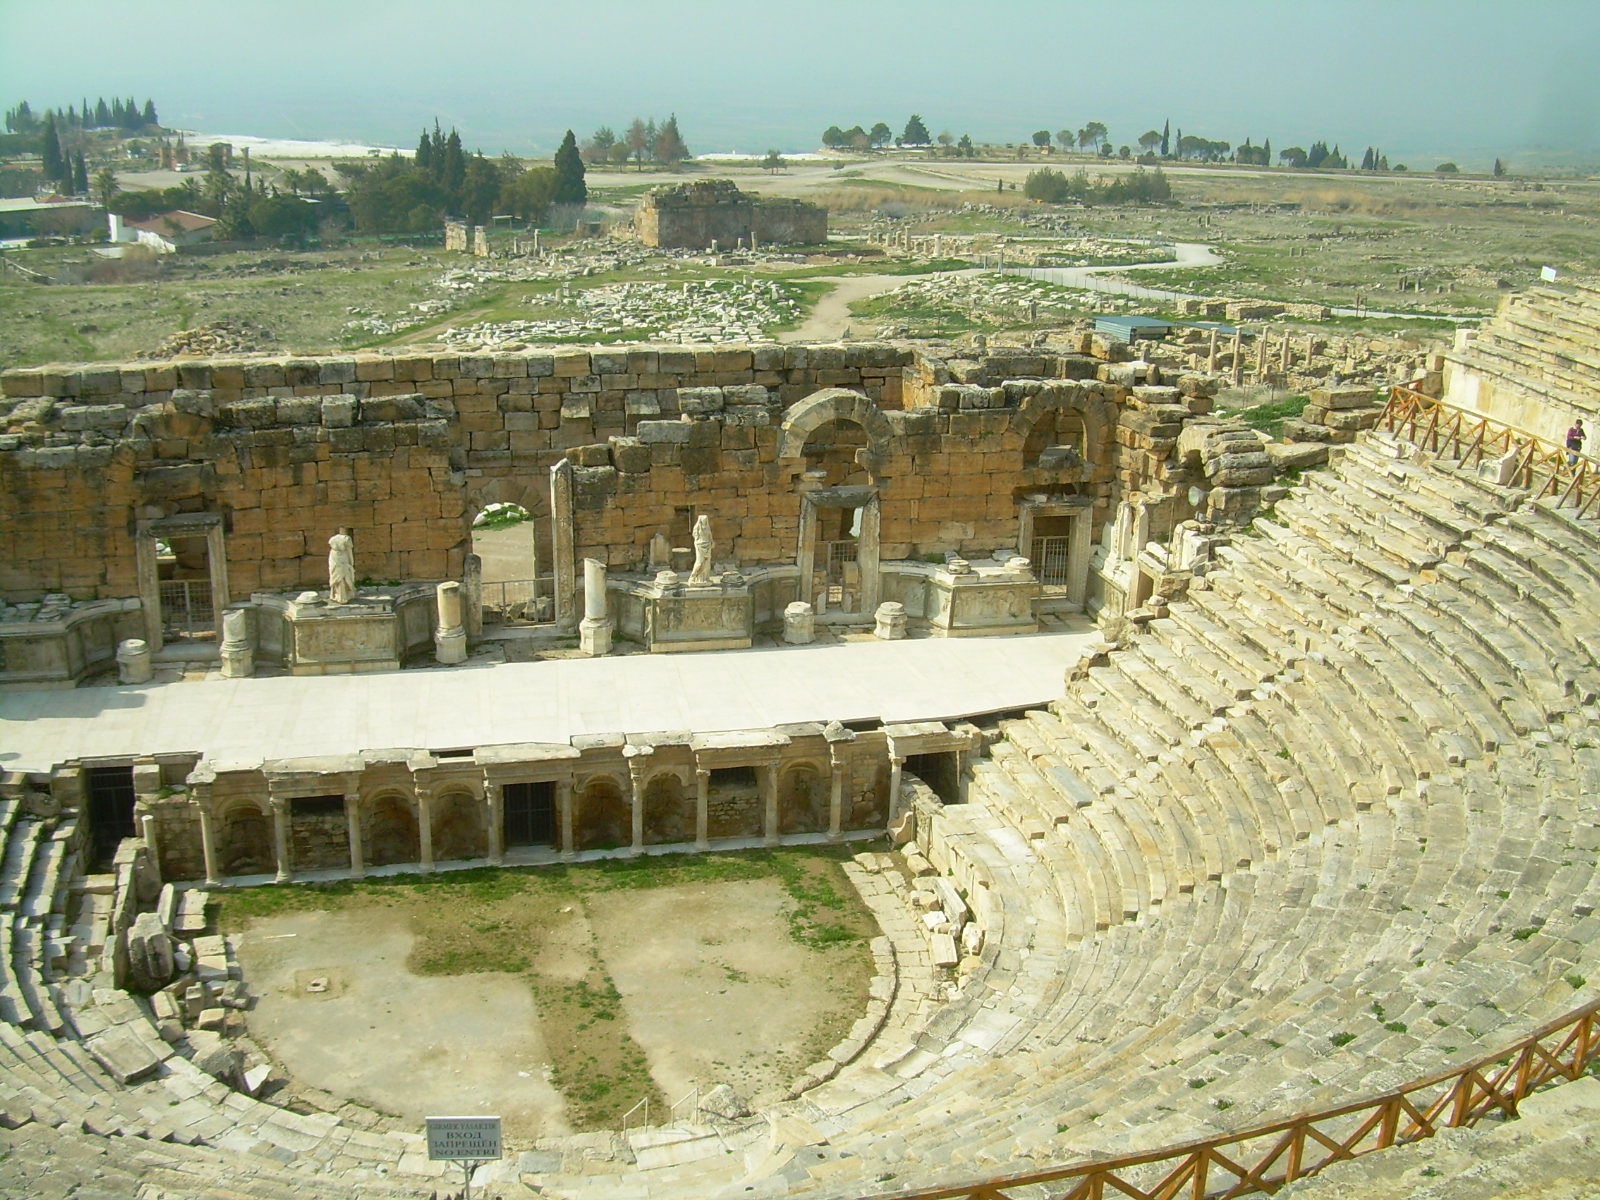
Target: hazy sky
(1421,78)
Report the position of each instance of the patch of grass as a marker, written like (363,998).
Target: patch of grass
(501,920)
(1574,980)
(1342,1038)
(1269,417)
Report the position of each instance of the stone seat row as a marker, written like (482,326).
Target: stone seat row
(1340,867)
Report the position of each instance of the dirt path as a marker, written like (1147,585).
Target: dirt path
(831,319)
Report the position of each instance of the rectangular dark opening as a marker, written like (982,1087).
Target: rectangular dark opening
(938,771)
(733,777)
(110,811)
(457,752)
(316,806)
(528,814)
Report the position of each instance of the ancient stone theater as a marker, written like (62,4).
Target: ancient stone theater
(1292,854)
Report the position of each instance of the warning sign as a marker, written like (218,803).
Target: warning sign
(463,1139)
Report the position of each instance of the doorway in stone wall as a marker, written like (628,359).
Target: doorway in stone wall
(838,554)
(528,814)
(514,547)
(183,578)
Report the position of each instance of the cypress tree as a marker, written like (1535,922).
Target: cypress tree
(424,157)
(53,166)
(454,173)
(102,114)
(148,117)
(80,174)
(1166,139)
(570,187)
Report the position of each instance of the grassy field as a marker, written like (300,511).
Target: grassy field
(521,923)
(1408,243)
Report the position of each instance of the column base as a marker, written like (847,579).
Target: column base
(450,646)
(594,636)
(238,662)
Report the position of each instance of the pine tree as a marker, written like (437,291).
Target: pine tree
(1166,139)
(670,147)
(916,133)
(570,187)
(148,116)
(53,164)
(1499,169)
(80,174)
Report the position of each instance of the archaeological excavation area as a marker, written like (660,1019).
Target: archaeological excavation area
(1301,820)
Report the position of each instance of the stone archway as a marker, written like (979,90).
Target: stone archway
(804,419)
(803,801)
(244,841)
(603,820)
(669,811)
(457,822)
(391,834)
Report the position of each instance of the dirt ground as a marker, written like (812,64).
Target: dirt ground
(624,993)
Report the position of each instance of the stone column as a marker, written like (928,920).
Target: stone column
(1263,355)
(494,805)
(564,815)
(1284,356)
(280,838)
(425,830)
(868,554)
(636,803)
(702,808)
(769,797)
(1238,356)
(133,661)
(835,797)
(563,552)
(147,829)
(896,772)
(594,631)
(1211,355)
(238,657)
(449,638)
(208,846)
(1079,551)
(472,596)
(352,817)
(799,624)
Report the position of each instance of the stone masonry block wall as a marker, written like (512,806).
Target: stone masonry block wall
(406,448)
(693,216)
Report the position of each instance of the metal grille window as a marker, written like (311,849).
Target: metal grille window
(1050,560)
(186,606)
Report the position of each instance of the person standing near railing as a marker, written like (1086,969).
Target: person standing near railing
(1575,436)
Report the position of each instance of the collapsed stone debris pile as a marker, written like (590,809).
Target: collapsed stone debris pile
(228,336)
(703,311)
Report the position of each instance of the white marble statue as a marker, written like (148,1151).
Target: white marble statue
(704,544)
(341,568)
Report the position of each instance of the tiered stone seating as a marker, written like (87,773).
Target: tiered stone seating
(1322,827)
(1543,341)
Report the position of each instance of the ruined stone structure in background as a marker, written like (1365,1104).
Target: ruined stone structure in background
(714,214)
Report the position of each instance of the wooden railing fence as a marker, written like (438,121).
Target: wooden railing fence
(1525,460)
(1261,1160)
